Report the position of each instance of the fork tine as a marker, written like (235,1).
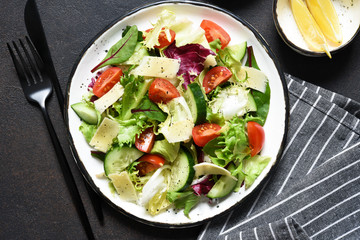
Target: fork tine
(18,66)
(33,68)
(27,71)
(38,59)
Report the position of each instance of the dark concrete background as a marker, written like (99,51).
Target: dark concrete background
(34,201)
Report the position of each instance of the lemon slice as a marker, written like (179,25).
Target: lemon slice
(326,17)
(308,27)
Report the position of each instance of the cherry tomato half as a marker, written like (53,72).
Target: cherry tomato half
(215,77)
(204,133)
(214,31)
(145,141)
(106,81)
(161,90)
(149,163)
(163,40)
(256,136)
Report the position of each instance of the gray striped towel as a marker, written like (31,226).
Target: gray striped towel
(315,191)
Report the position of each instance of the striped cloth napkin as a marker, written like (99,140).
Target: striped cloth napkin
(315,191)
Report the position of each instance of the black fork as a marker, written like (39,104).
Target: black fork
(37,87)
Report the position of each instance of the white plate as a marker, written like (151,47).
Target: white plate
(349,18)
(275,127)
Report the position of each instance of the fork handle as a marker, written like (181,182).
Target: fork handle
(71,184)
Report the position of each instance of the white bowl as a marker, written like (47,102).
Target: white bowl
(349,18)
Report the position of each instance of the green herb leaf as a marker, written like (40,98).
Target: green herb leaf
(133,95)
(140,34)
(173,196)
(251,61)
(98,155)
(121,51)
(215,45)
(262,100)
(150,110)
(213,145)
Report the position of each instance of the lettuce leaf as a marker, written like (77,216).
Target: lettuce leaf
(238,172)
(217,118)
(87,130)
(232,55)
(159,201)
(252,168)
(231,145)
(134,92)
(184,200)
(165,20)
(186,33)
(137,180)
(128,129)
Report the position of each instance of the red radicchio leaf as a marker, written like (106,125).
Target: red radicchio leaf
(249,50)
(200,154)
(204,186)
(192,57)
(92,83)
(93,98)
(93,80)
(98,154)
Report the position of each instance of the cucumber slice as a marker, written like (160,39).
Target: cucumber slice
(117,159)
(237,51)
(196,101)
(251,104)
(182,171)
(85,112)
(224,186)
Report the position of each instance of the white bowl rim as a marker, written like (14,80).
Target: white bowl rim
(302,50)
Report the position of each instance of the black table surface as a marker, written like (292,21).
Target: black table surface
(34,200)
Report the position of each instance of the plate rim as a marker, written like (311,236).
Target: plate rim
(80,164)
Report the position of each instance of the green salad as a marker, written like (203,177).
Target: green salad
(176,114)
